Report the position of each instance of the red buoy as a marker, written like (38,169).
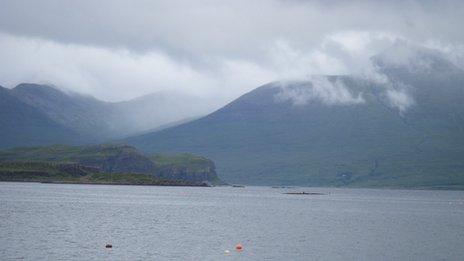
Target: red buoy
(239,247)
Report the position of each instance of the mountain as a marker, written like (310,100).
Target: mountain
(399,126)
(73,161)
(83,114)
(35,114)
(103,121)
(22,124)
(161,109)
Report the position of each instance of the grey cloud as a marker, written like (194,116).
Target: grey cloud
(119,74)
(399,99)
(395,94)
(231,28)
(118,49)
(319,89)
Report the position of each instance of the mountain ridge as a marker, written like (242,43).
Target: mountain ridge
(88,118)
(22,124)
(402,131)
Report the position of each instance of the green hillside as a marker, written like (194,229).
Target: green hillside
(77,174)
(262,139)
(105,163)
(102,120)
(22,124)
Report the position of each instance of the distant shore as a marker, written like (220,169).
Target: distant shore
(174,184)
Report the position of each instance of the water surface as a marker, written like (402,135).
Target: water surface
(75,222)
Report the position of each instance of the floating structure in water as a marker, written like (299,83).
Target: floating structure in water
(304,193)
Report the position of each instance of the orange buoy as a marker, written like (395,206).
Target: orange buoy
(239,247)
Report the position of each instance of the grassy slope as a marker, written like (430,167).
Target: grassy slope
(255,140)
(108,157)
(105,163)
(73,173)
(22,124)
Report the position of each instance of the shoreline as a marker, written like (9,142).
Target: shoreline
(107,183)
(231,186)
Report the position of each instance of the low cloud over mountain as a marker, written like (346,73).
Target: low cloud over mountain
(403,127)
(116,50)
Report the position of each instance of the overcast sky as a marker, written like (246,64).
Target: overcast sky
(117,50)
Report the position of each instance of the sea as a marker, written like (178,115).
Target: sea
(77,222)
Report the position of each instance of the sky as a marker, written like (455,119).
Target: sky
(117,50)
